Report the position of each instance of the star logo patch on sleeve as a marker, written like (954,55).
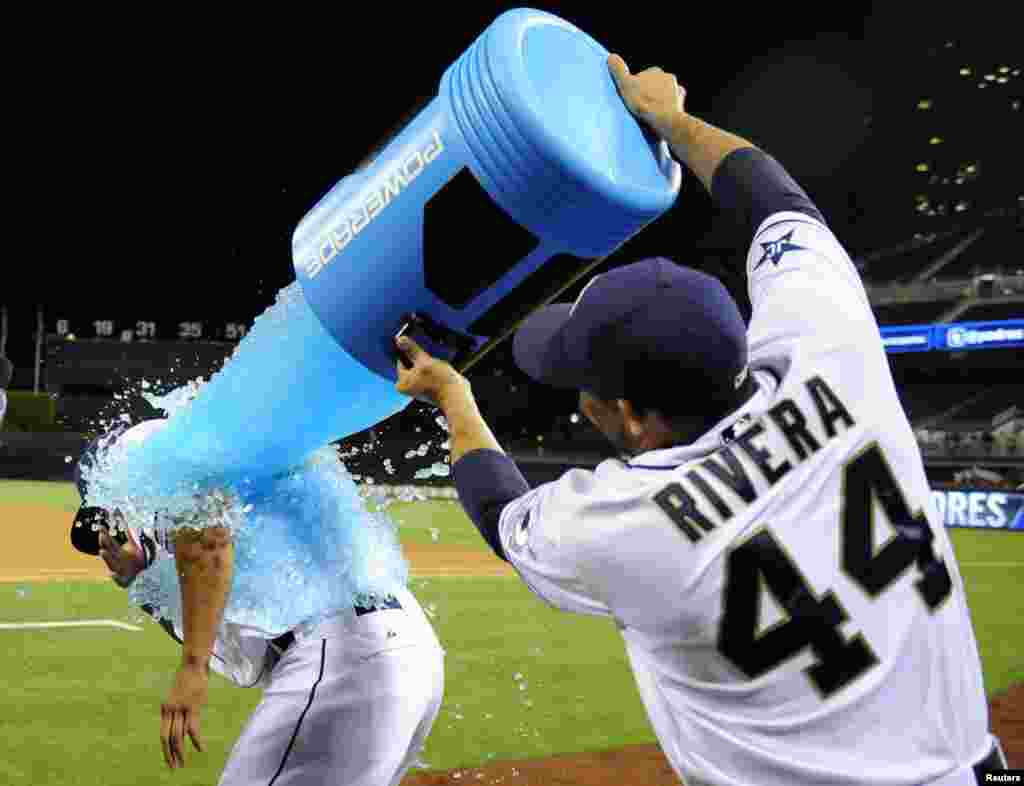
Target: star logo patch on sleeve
(774,250)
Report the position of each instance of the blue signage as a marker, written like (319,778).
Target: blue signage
(982,509)
(954,337)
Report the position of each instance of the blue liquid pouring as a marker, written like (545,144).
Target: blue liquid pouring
(306,548)
(530,111)
(288,389)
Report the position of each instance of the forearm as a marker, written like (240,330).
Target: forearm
(701,146)
(467,429)
(486,479)
(205,562)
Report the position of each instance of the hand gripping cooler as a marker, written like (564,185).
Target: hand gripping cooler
(522,174)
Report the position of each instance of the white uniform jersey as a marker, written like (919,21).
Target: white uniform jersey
(790,603)
(350,702)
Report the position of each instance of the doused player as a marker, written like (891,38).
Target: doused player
(791,607)
(348,699)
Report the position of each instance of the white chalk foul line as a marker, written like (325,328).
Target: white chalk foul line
(70,624)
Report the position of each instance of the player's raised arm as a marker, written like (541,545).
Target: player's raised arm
(802,283)
(738,175)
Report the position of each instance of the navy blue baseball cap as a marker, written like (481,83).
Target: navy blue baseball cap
(652,327)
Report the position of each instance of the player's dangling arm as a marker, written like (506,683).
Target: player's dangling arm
(205,563)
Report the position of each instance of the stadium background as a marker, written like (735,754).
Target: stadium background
(188,193)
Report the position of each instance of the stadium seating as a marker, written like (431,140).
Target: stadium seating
(912,313)
(996,250)
(904,265)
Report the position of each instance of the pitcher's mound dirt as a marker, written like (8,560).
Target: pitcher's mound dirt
(634,765)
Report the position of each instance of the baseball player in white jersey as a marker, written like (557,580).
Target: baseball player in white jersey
(790,604)
(347,702)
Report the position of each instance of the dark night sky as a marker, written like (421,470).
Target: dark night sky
(181,153)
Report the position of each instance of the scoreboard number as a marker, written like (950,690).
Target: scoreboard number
(145,329)
(190,330)
(63,328)
(234,331)
(104,328)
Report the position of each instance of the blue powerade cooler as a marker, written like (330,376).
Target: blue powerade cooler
(522,174)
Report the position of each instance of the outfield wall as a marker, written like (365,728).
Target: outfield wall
(51,456)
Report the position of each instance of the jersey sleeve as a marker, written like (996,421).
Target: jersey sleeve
(805,289)
(806,294)
(544,535)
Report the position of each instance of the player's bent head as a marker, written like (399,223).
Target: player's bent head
(668,339)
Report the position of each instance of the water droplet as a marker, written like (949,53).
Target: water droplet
(21,592)
(517,676)
(434,534)
(68,459)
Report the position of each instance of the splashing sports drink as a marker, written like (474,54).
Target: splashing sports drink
(521,174)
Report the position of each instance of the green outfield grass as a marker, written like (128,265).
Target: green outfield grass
(452,527)
(81,705)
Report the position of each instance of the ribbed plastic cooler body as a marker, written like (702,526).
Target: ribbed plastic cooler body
(526,161)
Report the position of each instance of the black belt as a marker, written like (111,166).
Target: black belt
(994,761)
(285,640)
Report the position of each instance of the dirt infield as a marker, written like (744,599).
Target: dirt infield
(46,554)
(51,556)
